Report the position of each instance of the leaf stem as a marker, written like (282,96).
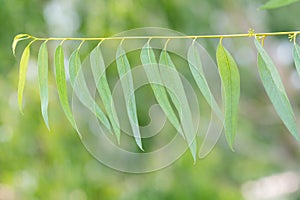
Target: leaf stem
(249,34)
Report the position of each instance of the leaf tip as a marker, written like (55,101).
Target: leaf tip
(47,125)
(140,145)
(20,102)
(231,144)
(21,109)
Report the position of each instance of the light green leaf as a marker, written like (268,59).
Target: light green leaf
(230,79)
(43,80)
(195,65)
(152,71)
(81,90)
(17,38)
(275,89)
(22,75)
(124,71)
(98,69)
(62,85)
(176,91)
(296,56)
(277,3)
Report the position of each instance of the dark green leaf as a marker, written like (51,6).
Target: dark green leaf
(275,89)
(230,78)
(124,71)
(43,80)
(62,85)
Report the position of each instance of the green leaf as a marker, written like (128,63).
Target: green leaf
(43,80)
(230,79)
(296,56)
(277,4)
(275,89)
(98,69)
(81,90)
(22,75)
(62,85)
(195,65)
(152,71)
(176,91)
(125,75)
(17,38)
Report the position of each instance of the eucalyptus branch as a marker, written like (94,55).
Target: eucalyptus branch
(227,69)
(250,33)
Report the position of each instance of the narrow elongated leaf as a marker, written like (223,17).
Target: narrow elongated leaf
(230,78)
(98,68)
(152,71)
(43,80)
(176,91)
(296,56)
(81,90)
(62,85)
(124,71)
(275,89)
(22,75)
(277,3)
(195,65)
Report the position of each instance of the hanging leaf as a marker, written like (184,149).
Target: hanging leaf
(215,126)
(296,56)
(152,71)
(195,65)
(43,80)
(22,75)
(230,79)
(277,3)
(98,68)
(275,89)
(62,85)
(81,90)
(124,71)
(176,91)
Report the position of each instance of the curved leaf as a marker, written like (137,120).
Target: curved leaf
(43,80)
(275,89)
(277,3)
(81,90)
(296,56)
(230,79)
(176,91)
(98,68)
(124,71)
(62,85)
(22,75)
(152,71)
(195,65)
(17,38)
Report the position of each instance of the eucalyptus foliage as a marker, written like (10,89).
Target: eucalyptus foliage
(164,79)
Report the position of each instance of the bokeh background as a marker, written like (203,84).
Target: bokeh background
(37,164)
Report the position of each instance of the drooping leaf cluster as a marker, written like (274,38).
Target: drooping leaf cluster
(164,79)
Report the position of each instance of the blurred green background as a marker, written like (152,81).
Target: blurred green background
(37,164)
